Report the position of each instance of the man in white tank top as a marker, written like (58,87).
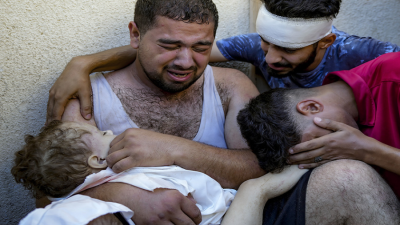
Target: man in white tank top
(185,109)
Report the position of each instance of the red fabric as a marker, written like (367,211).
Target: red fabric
(376,87)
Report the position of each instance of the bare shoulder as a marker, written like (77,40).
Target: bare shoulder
(228,75)
(235,81)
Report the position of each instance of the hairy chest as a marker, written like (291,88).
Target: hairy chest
(169,115)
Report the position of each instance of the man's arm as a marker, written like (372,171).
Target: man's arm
(345,143)
(74,81)
(248,205)
(230,167)
(162,206)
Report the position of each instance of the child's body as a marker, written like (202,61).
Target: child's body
(49,163)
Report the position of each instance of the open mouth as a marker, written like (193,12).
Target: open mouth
(180,74)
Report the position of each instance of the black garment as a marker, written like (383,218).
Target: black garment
(289,208)
(121,218)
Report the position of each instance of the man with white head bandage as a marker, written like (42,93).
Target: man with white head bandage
(290,32)
(299,45)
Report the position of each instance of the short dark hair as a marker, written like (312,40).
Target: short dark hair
(54,162)
(305,9)
(188,11)
(270,126)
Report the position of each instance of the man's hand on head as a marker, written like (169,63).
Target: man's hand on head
(138,147)
(74,82)
(345,142)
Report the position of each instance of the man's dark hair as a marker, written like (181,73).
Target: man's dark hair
(188,11)
(270,126)
(305,9)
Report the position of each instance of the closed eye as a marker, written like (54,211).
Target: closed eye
(104,133)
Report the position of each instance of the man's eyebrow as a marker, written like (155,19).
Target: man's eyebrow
(174,42)
(169,41)
(209,43)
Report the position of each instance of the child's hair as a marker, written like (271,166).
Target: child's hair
(54,162)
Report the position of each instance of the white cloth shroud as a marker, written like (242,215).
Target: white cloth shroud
(212,200)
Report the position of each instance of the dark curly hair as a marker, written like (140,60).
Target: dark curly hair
(270,126)
(188,11)
(305,9)
(54,162)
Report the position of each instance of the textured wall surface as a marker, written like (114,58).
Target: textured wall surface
(371,18)
(39,37)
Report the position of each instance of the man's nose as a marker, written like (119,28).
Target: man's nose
(273,55)
(184,58)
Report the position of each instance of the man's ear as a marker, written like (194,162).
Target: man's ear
(327,41)
(96,162)
(309,107)
(134,35)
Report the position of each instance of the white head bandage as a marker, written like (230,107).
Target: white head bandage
(291,32)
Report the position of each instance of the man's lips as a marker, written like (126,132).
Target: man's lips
(178,75)
(278,68)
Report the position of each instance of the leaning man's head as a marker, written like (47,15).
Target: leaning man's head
(174,40)
(278,119)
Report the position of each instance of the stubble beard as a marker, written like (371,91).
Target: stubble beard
(299,69)
(157,79)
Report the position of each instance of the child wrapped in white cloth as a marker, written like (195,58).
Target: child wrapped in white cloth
(68,157)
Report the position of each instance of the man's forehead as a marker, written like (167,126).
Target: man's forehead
(173,24)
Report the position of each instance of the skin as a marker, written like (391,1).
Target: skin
(139,147)
(285,60)
(74,81)
(331,117)
(98,141)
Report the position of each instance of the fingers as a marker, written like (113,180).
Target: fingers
(55,107)
(306,157)
(308,145)
(50,105)
(120,161)
(85,99)
(313,165)
(115,144)
(192,214)
(328,124)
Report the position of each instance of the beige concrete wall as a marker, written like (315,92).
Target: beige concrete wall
(38,38)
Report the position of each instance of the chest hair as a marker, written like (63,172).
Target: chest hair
(178,116)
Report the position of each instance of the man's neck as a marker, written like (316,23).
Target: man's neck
(341,94)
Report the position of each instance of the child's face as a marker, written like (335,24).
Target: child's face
(98,141)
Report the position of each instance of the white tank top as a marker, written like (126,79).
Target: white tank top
(109,113)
